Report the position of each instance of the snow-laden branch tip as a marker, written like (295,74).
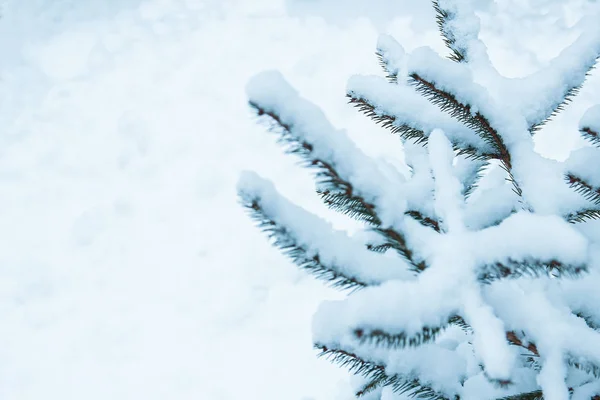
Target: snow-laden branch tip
(271,94)
(344,257)
(405,106)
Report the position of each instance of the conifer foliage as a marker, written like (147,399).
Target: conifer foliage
(481,276)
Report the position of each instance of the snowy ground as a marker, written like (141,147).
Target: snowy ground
(127,270)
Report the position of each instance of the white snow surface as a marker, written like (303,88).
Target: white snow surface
(591,119)
(127,268)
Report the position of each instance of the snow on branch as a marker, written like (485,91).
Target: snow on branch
(336,192)
(552,88)
(371,317)
(582,296)
(515,269)
(489,197)
(427,80)
(427,71)
(583,177)
(581,186)
(584,215)
(552,330)
(464,113)
(489,336)
(391,56)
(401,340)
(449,201)
(424,220)
(470,173)
(403,111)
(459,26)
(532,239)
(406,131)
(584,365)
(535,395)
(377,375)
(590,390)
(433,368)
(305,128)
(463,293)
(444,21)
(591,135)
(589,126)
(311,243)
(348,180)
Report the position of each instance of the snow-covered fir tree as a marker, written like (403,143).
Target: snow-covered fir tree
(481,276)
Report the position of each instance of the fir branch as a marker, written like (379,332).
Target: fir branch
(412,133)
(473,153)
(588,191)
(379,248)
(588,320)
(442,18)
(583,215)
(472,182)
(398,242)
(447,102)
(511,178)
(338,193)
(414,388)
(570,93)
(401,340)
(405,131)
(459,321)
(424,220)
(371,386)
(514,269)
(355,207)
(583,365)
(567,99)
(379,337)
(391,57)
(345,202)
(326,175)
(351,361)
(590,135)
(535,395)
(377,375)
(532,362)
(284,239)
(513,339)
(392,77)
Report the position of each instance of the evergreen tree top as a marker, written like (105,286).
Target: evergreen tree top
(481,280)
